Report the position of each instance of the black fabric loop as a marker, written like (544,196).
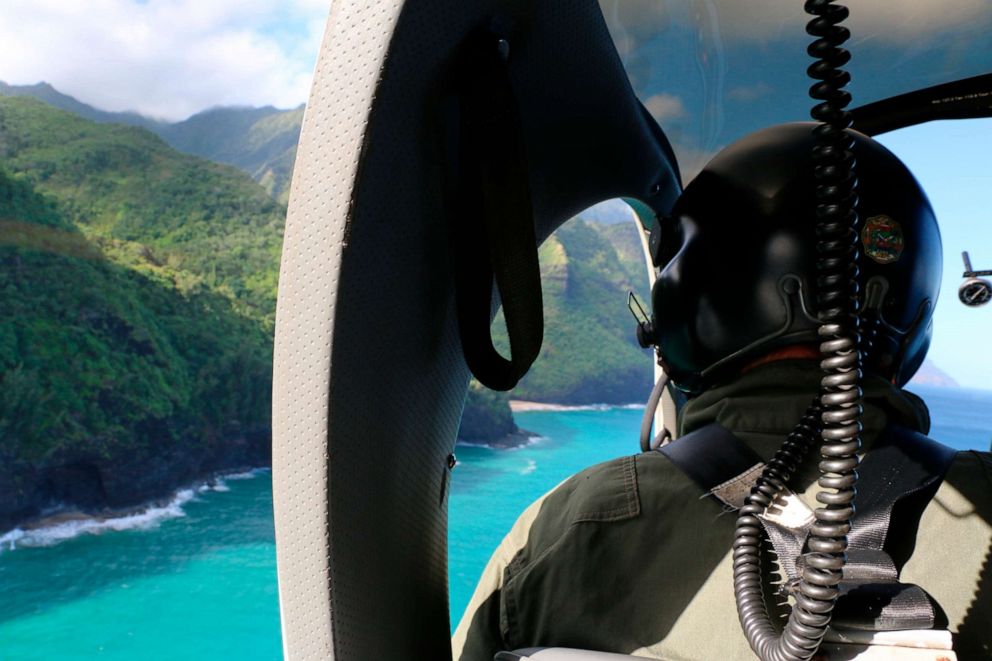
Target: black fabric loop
(501,245)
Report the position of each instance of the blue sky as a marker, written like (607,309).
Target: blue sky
(952,161)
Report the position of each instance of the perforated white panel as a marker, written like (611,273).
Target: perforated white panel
(369,375)
(347,72)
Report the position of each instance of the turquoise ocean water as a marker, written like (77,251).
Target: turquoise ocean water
(195,578)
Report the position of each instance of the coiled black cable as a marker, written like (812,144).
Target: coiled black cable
(840,401)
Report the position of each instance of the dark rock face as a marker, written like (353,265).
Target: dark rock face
(486,416)
(85,481)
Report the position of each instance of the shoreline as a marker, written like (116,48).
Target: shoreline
(64,523)
(512,441)
(526,406)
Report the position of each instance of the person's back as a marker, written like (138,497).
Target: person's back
(634,556)
(631,556)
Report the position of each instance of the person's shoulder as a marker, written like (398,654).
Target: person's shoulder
(603,492)
(971,470)
(606,492)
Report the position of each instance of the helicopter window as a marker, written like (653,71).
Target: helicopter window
(579,404)
(724,60)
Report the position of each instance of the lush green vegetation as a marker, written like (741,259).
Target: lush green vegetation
(100,356)
(260,141)
(145,204)
(590,353)
(138,293)
(138,287)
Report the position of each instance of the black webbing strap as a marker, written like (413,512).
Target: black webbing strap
(898,478)
(903,465)
(712,456)
(493,221)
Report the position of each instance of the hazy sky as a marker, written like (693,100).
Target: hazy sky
(164,58)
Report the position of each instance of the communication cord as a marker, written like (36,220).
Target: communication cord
(836,417)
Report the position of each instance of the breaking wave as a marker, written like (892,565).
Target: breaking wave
(60,527)
(532,439)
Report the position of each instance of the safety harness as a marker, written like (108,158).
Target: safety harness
(898,478)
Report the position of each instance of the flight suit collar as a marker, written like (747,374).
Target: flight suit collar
(763,405)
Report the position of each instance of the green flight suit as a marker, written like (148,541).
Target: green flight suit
(630,557)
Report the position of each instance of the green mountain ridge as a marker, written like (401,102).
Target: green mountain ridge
(259,141)
(590,353)
(122,185)
(138,289)
(44,92)
(262,143)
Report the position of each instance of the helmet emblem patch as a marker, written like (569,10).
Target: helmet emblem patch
(883,240)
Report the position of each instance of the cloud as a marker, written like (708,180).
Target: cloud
(164,58)
(750,93)
(632,21)
(665,107)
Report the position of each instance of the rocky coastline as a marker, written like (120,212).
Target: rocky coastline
(82,482)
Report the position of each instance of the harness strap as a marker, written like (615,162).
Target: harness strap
(717,461)
(898,478)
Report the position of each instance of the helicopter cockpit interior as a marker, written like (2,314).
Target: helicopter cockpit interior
(520,115)
(243,325)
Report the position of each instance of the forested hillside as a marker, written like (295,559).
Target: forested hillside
(590,354)
(144,203)
(138,291)
(260,141)
(138,288)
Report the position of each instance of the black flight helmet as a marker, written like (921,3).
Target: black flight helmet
(738,260)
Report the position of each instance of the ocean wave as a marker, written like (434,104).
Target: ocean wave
(529,468)
(519,406)
(532,439)
(61,527)
(57,527)
(217,485)
(473,444)
(246,475)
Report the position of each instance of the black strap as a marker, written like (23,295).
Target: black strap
(903,469)
(711,456)
(493,221)
(898,478)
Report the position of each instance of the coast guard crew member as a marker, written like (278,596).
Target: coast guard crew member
(633,556)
